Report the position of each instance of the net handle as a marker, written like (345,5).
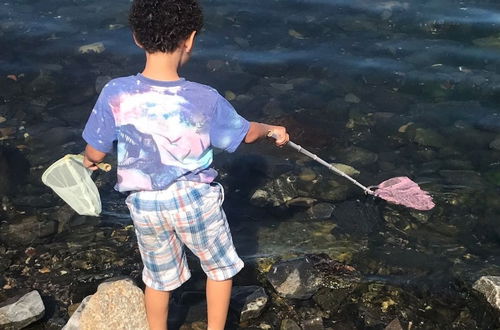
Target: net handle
(324,163)
(102,166)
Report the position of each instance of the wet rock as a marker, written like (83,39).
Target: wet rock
(495,144)
(74,321)
(301,278)
(115,305)
(463,178)
(26,229)
(249,301)
(24,311)
(320,211)
(349,170)
(96,47)
(313,324)
(288,324)
(428,138)
(14,168)
(357,156)
(307,175)
(301,202)
(296,279)
(489,286)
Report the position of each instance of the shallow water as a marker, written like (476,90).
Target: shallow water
(389,87)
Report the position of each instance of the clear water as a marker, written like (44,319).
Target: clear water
(425,90)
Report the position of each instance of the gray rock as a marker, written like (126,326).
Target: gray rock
(313,324)
(28,309)
(489,286)
(74,321)
(429,138)
(351,98)
(295,278)
(249,301)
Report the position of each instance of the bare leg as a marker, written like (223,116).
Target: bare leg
(156,308)
(218,297)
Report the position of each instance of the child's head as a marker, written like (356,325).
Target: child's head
(162,25)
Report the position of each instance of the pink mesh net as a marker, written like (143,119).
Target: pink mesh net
(401,190)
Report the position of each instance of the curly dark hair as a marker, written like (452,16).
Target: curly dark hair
(161,25)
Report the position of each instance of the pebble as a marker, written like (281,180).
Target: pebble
(97,47)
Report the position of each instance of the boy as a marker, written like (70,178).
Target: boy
(166,128)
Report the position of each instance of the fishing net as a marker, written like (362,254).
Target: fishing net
(403,191)
(71,181)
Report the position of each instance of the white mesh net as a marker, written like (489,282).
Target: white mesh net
(71,181)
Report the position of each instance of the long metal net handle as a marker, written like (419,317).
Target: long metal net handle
(330,166)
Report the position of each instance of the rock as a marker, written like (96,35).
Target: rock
(490,42)
(357,156)
(27,229)
(296,279)
(115,305)
(249,301)
(320,211)
(97,47)
(17,315)
(74,321)
(313,324)
(489,286)
(301,202)
(307,175)
(351,98)
(428,138)
(260,198)
(495,144)
(288,324)
(349,170)
(394,325)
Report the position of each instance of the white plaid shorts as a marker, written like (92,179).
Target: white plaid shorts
(186,213)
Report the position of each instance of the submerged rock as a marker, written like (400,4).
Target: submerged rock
(249,301)
(115,305)
(301,278)
(296,279)
(26,310)
(96,47)
(489,286)
(495,144)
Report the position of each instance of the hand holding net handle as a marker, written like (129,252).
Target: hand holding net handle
(324,163)
(102,166)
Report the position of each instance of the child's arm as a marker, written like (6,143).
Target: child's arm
(259,131)
(92,157)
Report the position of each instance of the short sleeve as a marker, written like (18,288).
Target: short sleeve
(228,128)
(100,130)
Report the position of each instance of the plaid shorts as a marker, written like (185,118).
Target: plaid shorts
(187,213)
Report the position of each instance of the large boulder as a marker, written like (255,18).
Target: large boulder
(117,304)
(22,312)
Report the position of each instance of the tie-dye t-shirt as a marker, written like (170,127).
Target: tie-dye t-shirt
(165,130)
